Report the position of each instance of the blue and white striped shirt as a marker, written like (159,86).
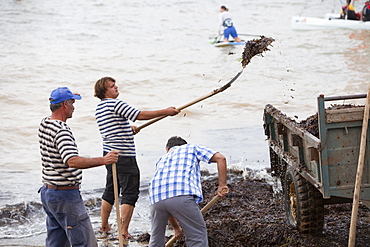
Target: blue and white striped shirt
(178,173)
(112,117)
(57,146)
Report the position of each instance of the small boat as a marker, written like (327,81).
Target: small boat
(231,43)
(218,41)
(331,21)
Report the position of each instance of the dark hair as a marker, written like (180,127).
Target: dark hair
(100,87)
(175,141)
(224,8)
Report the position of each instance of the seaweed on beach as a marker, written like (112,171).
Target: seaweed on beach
(311,124)
(252,214)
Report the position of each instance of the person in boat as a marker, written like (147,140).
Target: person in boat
(365,13)
(348,12)
(112,117)
(227,26)
(62,176)
(175,190)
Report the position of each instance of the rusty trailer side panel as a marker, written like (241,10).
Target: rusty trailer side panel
(330,161)
(294,145)
(340,135)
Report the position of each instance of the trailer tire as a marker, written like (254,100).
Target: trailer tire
(304,204)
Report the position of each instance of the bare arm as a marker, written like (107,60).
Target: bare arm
(222,173)
(84,163)
(176,227)
(146,115)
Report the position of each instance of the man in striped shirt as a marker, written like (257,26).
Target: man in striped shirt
(112,116)
(68,223)
(176,190)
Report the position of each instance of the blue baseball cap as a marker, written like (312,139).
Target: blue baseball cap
(61,94)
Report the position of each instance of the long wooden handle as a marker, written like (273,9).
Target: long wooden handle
(203,211)
(179,108)
(210,204)
(171,242)
(360,167)
(214,92)
(116,199)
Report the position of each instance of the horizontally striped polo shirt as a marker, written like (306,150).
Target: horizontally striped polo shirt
(112,117)
(57,146)
(178,173)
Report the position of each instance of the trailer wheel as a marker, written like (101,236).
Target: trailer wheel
(304,204)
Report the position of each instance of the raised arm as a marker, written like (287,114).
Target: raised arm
(146,115)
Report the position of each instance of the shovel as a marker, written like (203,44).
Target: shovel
(252,48)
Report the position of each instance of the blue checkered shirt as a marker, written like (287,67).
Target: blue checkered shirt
(178,173)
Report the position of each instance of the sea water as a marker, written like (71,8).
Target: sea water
(158,51)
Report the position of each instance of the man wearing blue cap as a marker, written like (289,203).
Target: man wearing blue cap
(67,222)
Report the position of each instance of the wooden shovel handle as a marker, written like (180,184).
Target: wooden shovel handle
(116,199)
(171,242)
(210,204)
(178,108)
(214,92)
(360,168)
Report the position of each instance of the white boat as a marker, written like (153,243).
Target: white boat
(218,41)
(231,43)
(331,21)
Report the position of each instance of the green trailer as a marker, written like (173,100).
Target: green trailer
(317,170)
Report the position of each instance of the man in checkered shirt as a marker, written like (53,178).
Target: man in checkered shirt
(176,190)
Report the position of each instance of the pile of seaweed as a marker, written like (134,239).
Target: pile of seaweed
(253,215)
(311,124)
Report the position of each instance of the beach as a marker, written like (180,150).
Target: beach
(159,53)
